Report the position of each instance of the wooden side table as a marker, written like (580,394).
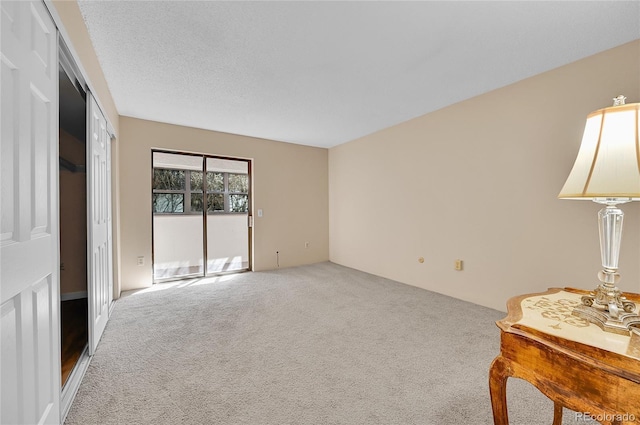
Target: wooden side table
(573,362)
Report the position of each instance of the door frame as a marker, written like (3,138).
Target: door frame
(250,221)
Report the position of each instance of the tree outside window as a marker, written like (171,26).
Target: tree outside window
(173,189)
(168,188)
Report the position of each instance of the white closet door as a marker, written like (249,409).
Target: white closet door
(98,192)
(29,298)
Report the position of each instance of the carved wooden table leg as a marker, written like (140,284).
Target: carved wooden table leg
(498,375)
(557,413)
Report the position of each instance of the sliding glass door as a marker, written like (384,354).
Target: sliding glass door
(201,210)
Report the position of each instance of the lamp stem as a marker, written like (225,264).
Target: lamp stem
(610,220)
(607,294)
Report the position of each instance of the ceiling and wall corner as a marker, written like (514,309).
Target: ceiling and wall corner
(73,28)
(324,73)
(479,181)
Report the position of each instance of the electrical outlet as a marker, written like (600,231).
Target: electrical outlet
(141,261)
(458,265)
(306,245)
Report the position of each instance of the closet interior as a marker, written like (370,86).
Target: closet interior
(73,220)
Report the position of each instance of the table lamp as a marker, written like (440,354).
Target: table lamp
(607,171)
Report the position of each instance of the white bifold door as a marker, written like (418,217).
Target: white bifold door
(29,289)
(100,287)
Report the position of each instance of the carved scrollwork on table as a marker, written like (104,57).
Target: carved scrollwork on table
(559,311)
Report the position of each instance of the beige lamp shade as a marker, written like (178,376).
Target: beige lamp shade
(608,162)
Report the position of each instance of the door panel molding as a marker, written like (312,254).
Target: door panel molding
(98,240)
(29,276)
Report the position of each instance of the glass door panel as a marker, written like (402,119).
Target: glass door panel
(178,234)
(227,187)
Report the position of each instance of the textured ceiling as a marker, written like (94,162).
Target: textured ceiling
(323,73)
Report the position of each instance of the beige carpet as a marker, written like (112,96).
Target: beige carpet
(320,344)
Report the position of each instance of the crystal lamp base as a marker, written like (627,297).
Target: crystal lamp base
(605,306)
(612,311)
(622,324)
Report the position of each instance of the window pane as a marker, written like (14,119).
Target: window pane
(238,203)
(215,202)
(168,179)
(215,182)
(196,202)
(196,181)
(168,203)
(238,183)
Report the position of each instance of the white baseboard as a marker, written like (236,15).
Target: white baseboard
(73,296)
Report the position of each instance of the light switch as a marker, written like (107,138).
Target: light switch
(259,212)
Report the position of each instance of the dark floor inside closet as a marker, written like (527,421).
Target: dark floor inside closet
(74,333)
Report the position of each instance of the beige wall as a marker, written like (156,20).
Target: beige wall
(289,185)
(478,181)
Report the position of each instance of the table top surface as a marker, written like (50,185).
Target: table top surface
(549,313)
